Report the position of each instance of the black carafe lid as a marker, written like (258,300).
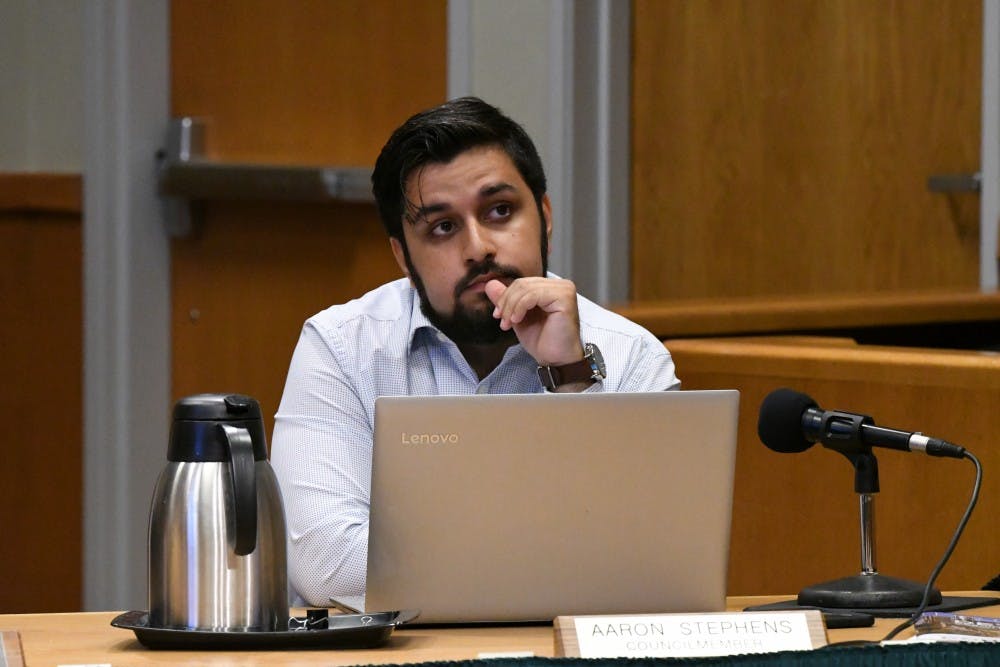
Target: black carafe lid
(195,434)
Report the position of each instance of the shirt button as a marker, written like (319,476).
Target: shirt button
(482,388)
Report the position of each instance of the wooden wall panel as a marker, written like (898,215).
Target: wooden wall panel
(41,336)
(795,516)
(783,147)
(310,82)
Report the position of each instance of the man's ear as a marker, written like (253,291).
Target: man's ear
(547,213)
(400,255)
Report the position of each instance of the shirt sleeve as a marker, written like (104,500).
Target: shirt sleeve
(321,454)
(635,362)
(649,367)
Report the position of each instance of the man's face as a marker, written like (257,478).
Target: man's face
(472,219)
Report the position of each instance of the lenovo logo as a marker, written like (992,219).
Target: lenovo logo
(430,438)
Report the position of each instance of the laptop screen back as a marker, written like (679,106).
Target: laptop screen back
(526,507)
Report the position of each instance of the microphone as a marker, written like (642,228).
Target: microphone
(792,422)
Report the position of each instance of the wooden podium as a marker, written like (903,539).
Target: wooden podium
(795,516)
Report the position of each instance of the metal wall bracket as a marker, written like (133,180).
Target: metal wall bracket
(186,179)
(955,182)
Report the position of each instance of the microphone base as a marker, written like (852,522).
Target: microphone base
(866,591)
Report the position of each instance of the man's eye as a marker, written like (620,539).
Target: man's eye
(442,228)
(500,211)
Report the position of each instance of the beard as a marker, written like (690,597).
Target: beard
(471,324)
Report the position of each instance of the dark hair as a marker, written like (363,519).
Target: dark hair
(440,134)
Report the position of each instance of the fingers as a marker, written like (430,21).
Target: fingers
(514,303)
(543,313)
(494,290)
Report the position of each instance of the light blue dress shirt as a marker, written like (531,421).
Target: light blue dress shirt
(382,345)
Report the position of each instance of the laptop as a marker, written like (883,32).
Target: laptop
(514,508)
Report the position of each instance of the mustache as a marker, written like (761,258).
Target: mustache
(487,266)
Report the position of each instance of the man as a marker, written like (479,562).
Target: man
(461,191)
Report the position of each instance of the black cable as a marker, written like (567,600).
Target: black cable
(947,554)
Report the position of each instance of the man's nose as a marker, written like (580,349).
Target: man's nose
(479,243)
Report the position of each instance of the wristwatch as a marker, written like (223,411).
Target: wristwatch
(591,367)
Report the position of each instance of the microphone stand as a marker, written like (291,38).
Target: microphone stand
(869,589)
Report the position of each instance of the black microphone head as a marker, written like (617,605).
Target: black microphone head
(779,425)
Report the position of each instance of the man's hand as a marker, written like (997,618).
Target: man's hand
(543,314)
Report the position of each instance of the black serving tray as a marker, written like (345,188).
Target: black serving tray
(344,631)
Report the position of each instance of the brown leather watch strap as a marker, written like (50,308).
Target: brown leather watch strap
(591,367)
(555,376)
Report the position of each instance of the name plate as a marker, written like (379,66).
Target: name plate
(688,635)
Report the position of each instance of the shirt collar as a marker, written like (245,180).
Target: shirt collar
(418,321)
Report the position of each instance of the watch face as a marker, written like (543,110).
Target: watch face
(596,362)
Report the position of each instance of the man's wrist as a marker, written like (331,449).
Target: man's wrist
(574,376)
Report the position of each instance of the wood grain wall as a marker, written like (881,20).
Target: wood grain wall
(784,147)
(310,82)
(41,338)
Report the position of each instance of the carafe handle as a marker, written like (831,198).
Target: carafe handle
(241,465)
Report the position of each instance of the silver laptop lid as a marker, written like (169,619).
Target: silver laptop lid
(526,507)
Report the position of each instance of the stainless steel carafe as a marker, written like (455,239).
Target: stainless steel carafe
(217,523)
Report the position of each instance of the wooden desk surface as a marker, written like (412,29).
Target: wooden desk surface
(714,317)
(88,638)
